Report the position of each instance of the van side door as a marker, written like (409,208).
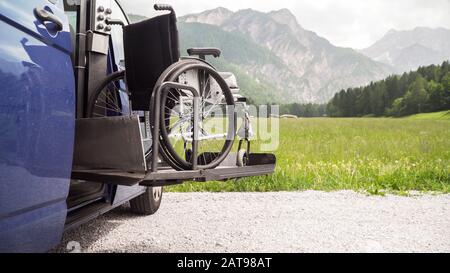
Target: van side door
(37,123)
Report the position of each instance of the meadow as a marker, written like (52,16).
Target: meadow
(373,155)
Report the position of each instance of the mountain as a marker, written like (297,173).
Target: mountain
(298,65)
(274,58)
(407,50)
(134,18)
(245,60)
(211,17)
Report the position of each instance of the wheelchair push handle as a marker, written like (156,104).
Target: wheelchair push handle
(163,7)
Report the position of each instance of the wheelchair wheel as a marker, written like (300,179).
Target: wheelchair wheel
(111,99)
(217,121)
(106,99)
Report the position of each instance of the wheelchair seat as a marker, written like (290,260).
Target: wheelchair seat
(150,47)
(231,80)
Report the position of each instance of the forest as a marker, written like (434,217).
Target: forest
(308,110)
(421,91)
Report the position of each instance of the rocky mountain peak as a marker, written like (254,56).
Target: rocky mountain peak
(286,17)
(215,16)
(408,49)
(284,12)
(391,32)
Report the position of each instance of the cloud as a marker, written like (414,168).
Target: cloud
(349,23)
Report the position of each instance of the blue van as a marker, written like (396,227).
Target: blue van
(51,52)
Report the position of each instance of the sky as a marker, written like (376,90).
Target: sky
(347,23)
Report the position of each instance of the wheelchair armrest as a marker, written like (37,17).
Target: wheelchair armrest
(202,52)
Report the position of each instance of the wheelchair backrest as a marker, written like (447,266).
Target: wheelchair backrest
(150,47)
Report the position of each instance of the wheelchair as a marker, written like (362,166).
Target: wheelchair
(187,109)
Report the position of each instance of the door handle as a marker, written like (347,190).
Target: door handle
(46,16)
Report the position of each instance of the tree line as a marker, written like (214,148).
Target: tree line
(421,91)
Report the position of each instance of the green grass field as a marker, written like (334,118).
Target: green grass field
(370,155)
(444,115)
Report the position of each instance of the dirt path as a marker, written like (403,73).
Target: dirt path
(274,222)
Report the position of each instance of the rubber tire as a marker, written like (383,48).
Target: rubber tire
(162,149)
(145,204)
(166,150)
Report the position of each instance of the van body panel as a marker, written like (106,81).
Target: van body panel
(37,123)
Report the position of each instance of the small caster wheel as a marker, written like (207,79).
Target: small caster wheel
(242,158)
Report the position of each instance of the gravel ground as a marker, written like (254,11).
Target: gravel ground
(274,222)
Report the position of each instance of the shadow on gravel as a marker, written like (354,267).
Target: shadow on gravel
(86,235)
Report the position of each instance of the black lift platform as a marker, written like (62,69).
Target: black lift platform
(169,176)
(105,152)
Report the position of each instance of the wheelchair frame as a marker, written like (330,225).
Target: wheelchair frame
(110,167)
